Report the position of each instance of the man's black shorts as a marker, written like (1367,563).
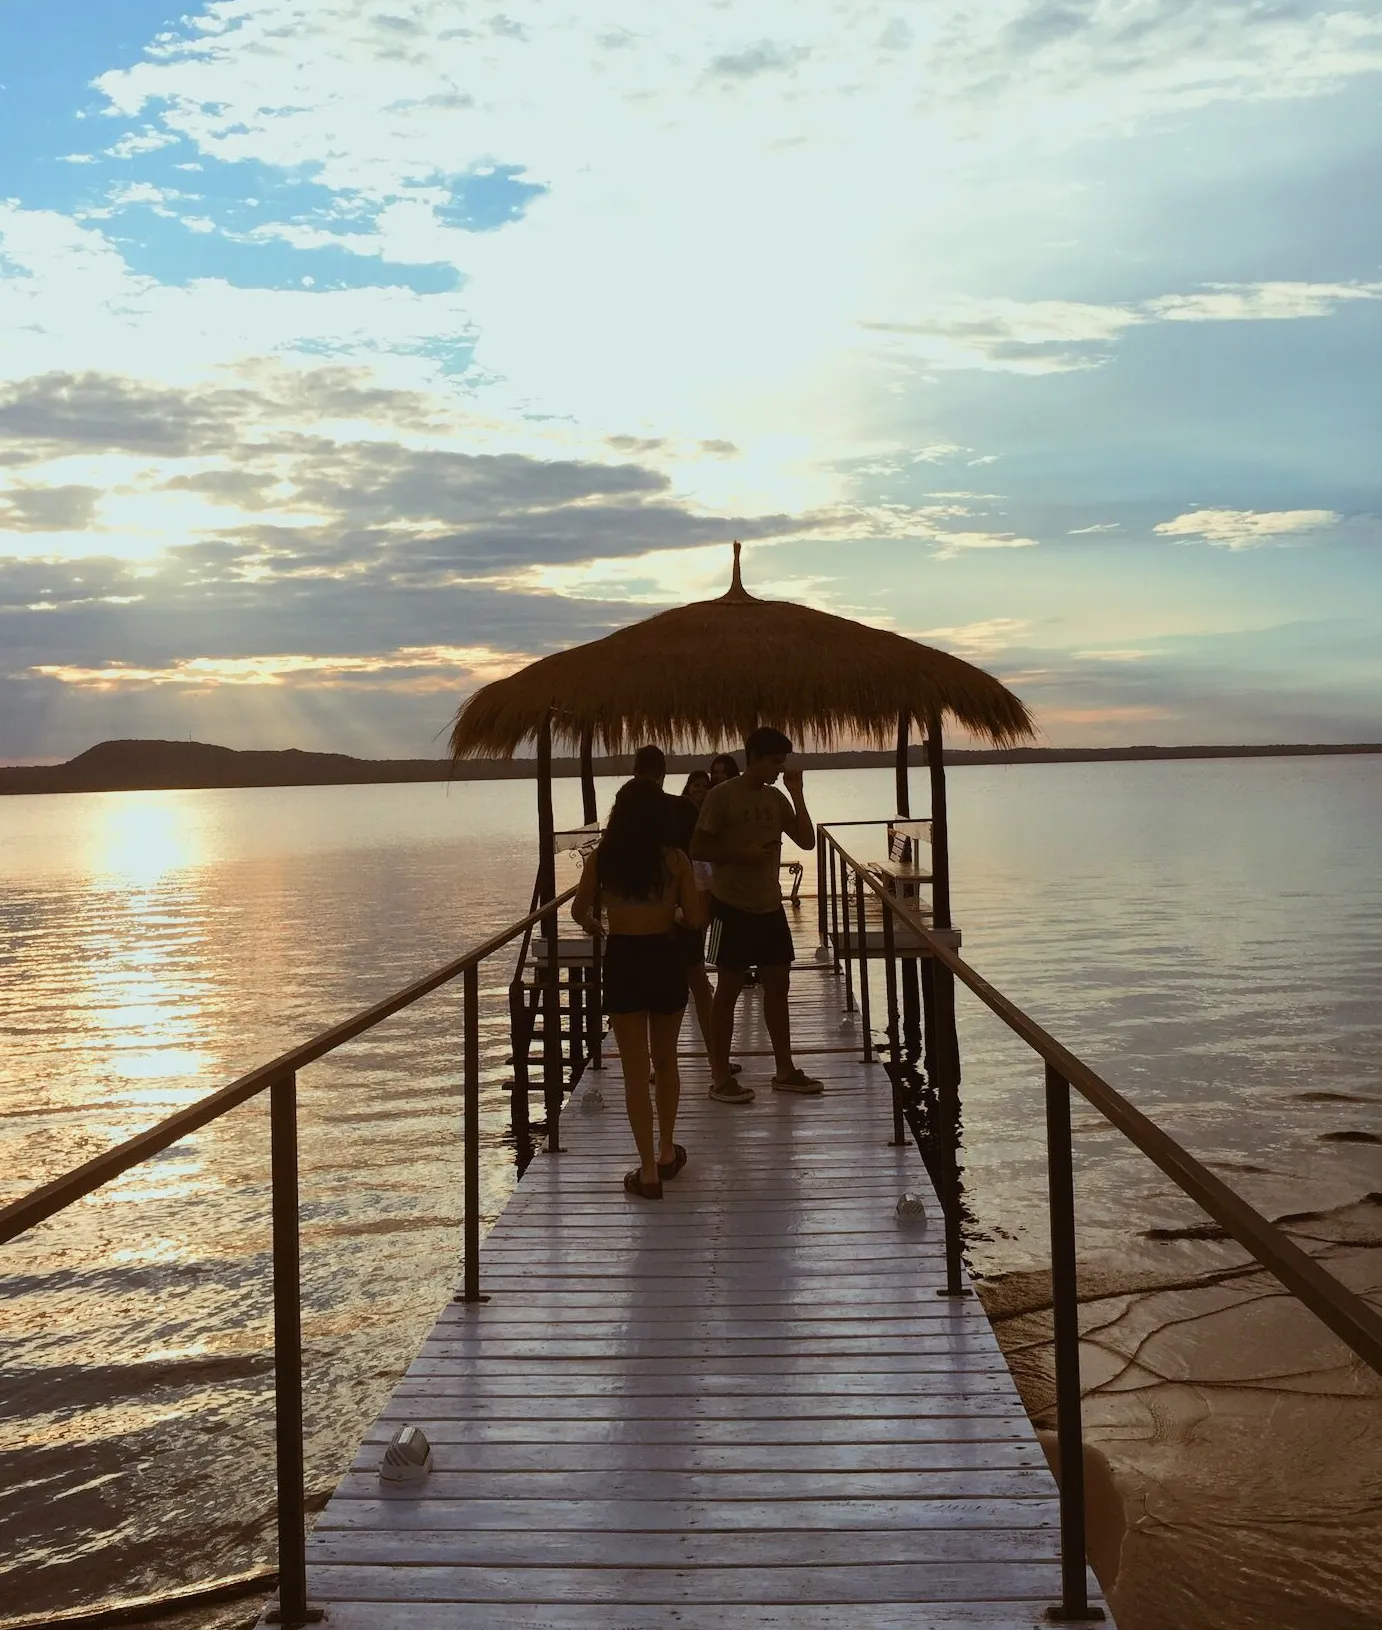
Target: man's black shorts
(739,940)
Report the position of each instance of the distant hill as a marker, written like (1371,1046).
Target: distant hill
(127,766)
(136,766)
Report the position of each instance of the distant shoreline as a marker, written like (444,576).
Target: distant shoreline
(182,766)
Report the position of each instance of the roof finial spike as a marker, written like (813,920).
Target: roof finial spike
(736,590)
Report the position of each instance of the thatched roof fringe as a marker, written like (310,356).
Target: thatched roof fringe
(714,670)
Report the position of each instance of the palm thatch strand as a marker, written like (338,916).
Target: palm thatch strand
(714,670)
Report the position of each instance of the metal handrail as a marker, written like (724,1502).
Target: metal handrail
(43,1202)
(1357,1324)
(279,1076)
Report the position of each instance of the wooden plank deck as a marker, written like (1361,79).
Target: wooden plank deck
(743,1406)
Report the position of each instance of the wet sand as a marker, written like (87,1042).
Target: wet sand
(1243,1441)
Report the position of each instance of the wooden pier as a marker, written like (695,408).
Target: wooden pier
(746,1405)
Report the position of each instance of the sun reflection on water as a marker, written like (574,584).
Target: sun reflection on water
(144,978)
(140,837)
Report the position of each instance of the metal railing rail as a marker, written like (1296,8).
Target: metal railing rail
(279,1078)
(1357,1325)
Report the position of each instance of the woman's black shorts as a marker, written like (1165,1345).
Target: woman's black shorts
(739,940)
(691,944)
(643,973)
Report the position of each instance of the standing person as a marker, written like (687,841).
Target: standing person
(641,883)
(680,815)
(650,764)
(740,833)
(692,940)
(723,767)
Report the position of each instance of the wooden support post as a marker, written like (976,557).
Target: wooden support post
(546,822)
(911,1002)
(945,1042)
(912,973)
(904,794)
(590,810)
(940,827)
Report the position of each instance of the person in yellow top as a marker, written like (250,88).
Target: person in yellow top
(740,832)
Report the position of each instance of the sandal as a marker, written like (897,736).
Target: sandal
(634,1184)
(667,1169)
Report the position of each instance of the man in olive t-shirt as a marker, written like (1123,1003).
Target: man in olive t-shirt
(740,833)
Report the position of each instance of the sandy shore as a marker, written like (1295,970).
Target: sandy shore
(1243,1441)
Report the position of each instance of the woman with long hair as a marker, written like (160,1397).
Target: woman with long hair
(723,767)
(640,885)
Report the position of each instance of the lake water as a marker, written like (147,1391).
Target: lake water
(1207,934)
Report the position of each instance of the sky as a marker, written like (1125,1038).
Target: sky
(356,352)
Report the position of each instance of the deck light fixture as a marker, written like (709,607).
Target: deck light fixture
(408,1457)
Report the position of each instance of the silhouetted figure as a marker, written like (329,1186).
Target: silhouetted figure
(640,882)
(740,833)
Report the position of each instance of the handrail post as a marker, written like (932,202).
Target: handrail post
(597,985)
(847,936)
(822,904)
(292,1609)
(834,909)
(863,965)
(470,1281)
(576,1028)
(551,1034)
(894,1049)
(1065,1317)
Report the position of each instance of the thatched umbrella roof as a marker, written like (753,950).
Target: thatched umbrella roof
(714,670)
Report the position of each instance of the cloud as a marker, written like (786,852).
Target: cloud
(48,509)
(1061,336)
(1100,526)
(418,669)
(980,639)
(955,543)
(1158,55)
(135,144)
(1014,336)
(283,473)
(510,461)
(694,217)
(1246,528)
(1117,715)
(60,412)
(765,57)
(1259,302)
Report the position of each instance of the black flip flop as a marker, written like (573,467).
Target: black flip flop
(634,1184)
(669,1169)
